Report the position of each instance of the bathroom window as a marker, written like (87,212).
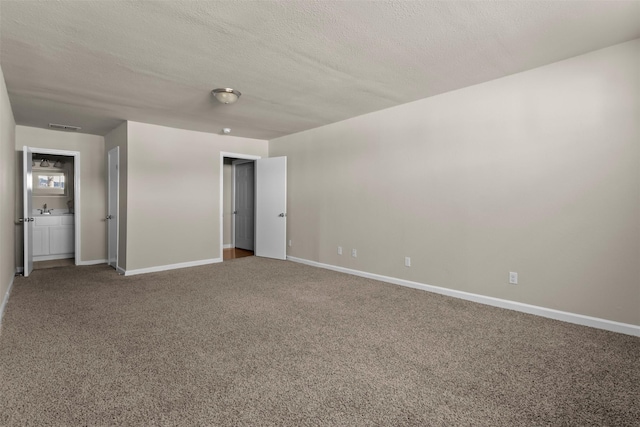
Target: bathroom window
(47,183)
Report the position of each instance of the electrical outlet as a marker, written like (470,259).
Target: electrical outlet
(289,243)
(407,261)
(513,278)
(354,253)
(339,250)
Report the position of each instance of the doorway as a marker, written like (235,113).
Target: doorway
(239,207)
(269,204)
(51,206)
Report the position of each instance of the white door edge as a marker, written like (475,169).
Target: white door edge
(117,207)
(233,205)
(271,208)
(27,205)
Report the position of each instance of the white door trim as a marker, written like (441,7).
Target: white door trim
(76,190)
(117,207)
(224,154)
(27,211)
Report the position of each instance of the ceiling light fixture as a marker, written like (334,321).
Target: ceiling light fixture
(226,95)
(44,163)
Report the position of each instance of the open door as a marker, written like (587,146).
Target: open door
(271,207)
(112,208)
(27,206)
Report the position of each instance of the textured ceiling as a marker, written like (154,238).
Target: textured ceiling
(299,65)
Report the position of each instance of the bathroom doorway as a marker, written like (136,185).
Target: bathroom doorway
(51,214)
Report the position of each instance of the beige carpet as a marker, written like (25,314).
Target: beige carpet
(262,342)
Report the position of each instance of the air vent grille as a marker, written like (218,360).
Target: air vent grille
(64,127)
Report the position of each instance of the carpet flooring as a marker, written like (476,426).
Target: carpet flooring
(261,342)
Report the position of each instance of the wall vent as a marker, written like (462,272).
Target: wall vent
(64,127)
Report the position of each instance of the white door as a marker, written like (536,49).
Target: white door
(27,185)
(271,207)
(112,208)
(244,206)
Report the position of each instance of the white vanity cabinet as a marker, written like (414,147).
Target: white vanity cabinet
(40,240)
(53,237)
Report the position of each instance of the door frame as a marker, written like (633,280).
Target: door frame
(76,193)
(238,156)
(117,207)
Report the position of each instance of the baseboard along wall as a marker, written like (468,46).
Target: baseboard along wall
(171,266)
(5,301)
(93,262)
(20,269)
(578,319)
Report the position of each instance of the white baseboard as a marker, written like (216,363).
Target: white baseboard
(93,262)
(227,246)
(90,262)
(579,319)
(172,266)
(5,301)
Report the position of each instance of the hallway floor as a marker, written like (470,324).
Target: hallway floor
(233,253)
(66,262)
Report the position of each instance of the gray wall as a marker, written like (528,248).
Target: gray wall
(92,183)
(173,193)
(535,173)
(7,192)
